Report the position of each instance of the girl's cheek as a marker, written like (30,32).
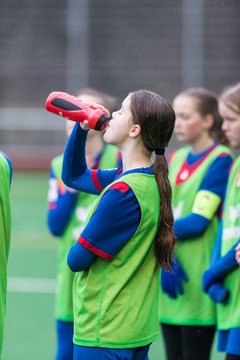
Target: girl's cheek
(193,129)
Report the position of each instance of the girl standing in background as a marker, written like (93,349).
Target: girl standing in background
(224,269)
(198,174)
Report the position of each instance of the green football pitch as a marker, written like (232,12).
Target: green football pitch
(30,325)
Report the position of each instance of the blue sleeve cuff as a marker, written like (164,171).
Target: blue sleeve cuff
(74,162)
(226,263)
(60,215)
(79,258)
(190,226)
(216,273)
(218,293)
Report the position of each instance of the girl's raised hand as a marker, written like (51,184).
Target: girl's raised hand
(98,106)
(84,125)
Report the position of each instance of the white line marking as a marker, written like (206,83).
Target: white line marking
(31,285)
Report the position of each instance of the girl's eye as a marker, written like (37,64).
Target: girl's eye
(230,119)
(185,117)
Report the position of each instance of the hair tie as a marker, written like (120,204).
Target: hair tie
(160,151)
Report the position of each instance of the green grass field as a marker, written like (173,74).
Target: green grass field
(30,325)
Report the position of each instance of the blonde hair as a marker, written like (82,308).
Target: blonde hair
(230,96)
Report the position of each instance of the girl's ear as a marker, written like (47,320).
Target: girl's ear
(208,121)
(134,130)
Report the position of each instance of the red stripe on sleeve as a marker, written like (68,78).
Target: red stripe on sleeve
(121,186)
(61,187)
(94,249)
(52,206)
(95,180)
(223,154)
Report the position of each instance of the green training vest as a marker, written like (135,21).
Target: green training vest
(194,307)
(5,232)
(116,302)
(63,300)
(228,315)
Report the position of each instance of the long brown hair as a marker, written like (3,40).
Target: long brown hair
(207,104)
(156,117)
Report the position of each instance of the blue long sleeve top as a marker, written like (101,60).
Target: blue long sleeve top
(117,215)
(215,181)
(61,204)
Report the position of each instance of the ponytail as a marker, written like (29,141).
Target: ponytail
(165,238)
(156,117)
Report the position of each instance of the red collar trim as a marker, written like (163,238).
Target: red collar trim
(187,170)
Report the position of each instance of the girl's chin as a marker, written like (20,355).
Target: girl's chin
(235,144)
(181,139)
(179,136)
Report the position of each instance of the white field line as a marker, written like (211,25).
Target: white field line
(31,285)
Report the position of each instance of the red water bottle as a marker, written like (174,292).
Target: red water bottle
(72,108)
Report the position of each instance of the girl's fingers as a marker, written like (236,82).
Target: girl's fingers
(97,106)
(84,125)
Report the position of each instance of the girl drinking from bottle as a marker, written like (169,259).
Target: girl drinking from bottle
(198,175)
(128,234)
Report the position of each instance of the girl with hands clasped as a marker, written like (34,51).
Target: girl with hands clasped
(128,235)
(198,174)
(224,269)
